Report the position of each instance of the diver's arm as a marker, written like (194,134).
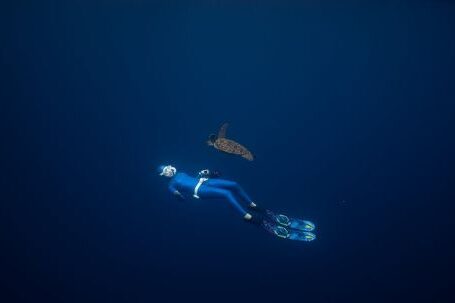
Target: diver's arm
(174,191)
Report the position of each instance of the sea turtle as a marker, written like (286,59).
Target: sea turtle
(227,145)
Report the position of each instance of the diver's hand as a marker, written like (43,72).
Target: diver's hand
(179,195)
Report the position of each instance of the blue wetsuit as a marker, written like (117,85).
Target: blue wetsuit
(210,189)
(213,188)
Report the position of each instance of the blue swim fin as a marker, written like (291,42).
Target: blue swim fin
(290,222)
(286,233)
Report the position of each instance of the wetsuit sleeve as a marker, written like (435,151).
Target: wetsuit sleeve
(172,188)
(175,192)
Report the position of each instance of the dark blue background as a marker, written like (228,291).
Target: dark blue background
(347,107)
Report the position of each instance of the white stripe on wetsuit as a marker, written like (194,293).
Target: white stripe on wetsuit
(201,180)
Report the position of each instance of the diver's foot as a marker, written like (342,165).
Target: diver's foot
(253,205)
(283,220)
(281,232)
(247,217)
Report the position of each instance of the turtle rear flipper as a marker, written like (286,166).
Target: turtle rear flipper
(249,156)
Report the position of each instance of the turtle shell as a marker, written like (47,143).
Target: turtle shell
(232,147)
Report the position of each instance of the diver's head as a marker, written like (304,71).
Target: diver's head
(211,140)
(167,170)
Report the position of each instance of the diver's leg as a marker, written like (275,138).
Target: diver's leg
(232,186)
(207,191)
(236,188)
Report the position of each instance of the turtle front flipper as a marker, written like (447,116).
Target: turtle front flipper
(222,132)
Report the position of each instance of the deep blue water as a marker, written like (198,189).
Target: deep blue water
(347,107)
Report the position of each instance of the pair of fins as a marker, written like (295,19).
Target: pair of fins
(289,228)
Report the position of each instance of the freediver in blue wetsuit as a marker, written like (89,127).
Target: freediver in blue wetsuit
(208,186)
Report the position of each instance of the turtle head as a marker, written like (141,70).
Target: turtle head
(211,140)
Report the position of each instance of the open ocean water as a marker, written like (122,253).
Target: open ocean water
(348,108)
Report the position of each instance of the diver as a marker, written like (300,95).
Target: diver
(207,185)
